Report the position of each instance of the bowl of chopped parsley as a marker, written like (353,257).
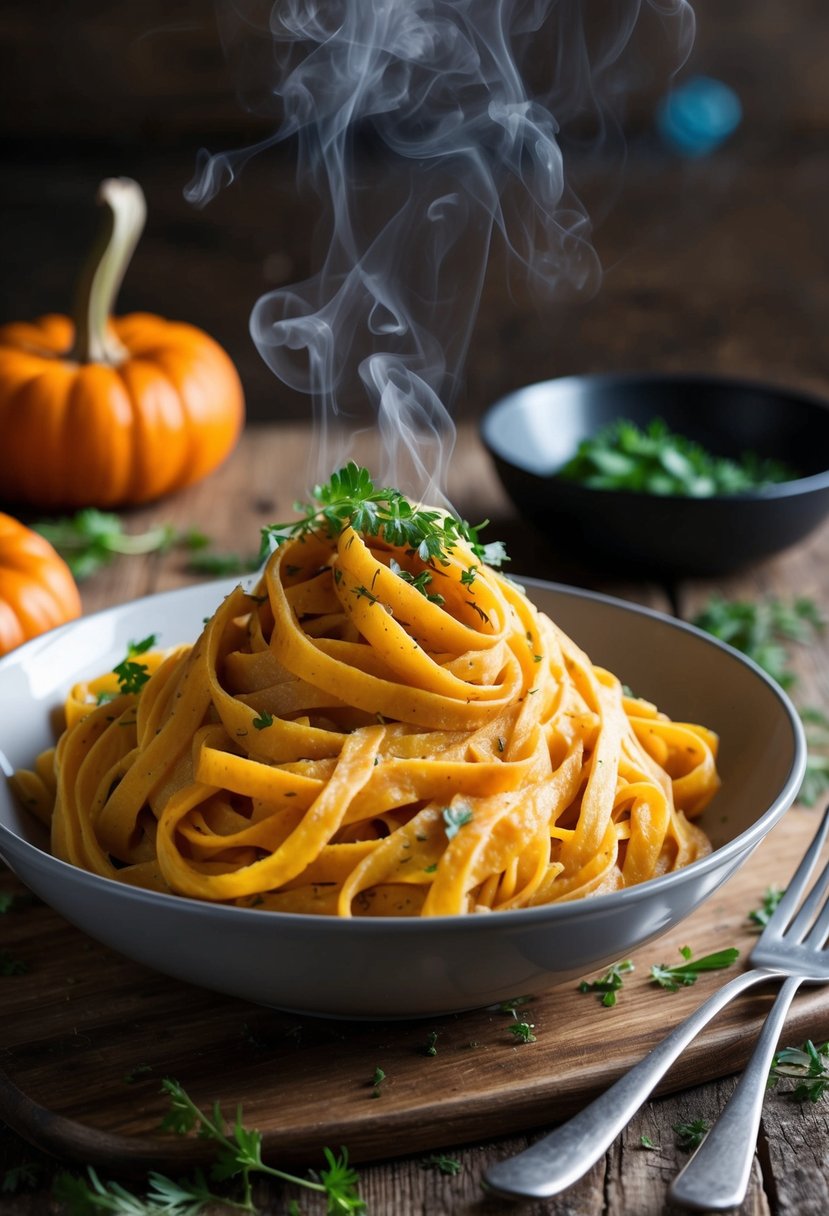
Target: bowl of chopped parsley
(663,475)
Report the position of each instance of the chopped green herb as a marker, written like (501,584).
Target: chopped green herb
(523,1032)
(430,1046)
(376,1081)
(688,972)
(608,984)
(91,539)
(443,1163)
(455,817)
(351,498)
(771,898)
(646,1142)
(691,1135)
(761,630)
(655,460)
(263,721)
(808,1066)
(420,582)
(133,676)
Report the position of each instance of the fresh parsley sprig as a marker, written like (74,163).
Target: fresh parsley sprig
(90,539)
(688,972)
(607,986)
(350,498)
(771,898)
(807,1065)
(655,460)
(238,1157)
(690,1135)
(133,676)
(764,630)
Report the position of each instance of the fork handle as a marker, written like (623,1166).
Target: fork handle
(716,1177)
(561,1158)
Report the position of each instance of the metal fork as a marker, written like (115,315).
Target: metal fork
(786,948)
(716,1176)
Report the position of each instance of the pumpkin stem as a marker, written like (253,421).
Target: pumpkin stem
(126,210)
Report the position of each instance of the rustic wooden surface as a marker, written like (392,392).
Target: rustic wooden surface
(258,485)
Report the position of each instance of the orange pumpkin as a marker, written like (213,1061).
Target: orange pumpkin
(37,591)
(110,412)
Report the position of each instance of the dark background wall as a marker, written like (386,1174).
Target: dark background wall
(719,263)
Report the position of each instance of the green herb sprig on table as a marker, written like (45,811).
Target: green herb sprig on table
(350,498)
(689,970)
(621,456)
(762,915)
(607,986)
(238,1157)
(91,539)
(807,1065)
(690,1135)
(764,630)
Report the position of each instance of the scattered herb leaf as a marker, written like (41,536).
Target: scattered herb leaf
(443,1163)
(21,1177)
(808,1066)
(608,984)
(771,898)
(688,972)
(691,1135)
(263,721)
(133,676)
(430,1046)
(523,1032)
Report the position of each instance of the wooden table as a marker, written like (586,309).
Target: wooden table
(258,485)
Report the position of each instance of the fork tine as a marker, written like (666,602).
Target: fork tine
(784,912)
(810,924)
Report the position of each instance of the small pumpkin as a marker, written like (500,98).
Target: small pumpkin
(111,412)
(37,590)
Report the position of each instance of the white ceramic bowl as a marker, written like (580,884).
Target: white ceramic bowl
(386,968)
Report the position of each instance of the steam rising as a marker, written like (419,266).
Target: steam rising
(469,150)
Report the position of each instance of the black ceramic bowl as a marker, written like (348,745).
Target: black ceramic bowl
(531,433)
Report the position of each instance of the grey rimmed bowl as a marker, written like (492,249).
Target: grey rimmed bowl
(387,968)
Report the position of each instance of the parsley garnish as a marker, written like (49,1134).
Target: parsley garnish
(263,721)
(523,1032)
(443,1163)
(420,582)
(455,817)
(376,1081)
(646,1141)
(763,631)
(351,498)
(808,1065)
(133,676)
(691,1135)
(657,461)
(771,898)
(238,1156)
(688,972)
(430,1046)
(608,984)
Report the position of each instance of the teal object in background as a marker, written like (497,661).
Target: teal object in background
(699,115)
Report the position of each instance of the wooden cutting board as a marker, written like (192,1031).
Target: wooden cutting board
(87,1036)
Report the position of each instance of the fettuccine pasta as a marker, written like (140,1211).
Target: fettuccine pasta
(337,742)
